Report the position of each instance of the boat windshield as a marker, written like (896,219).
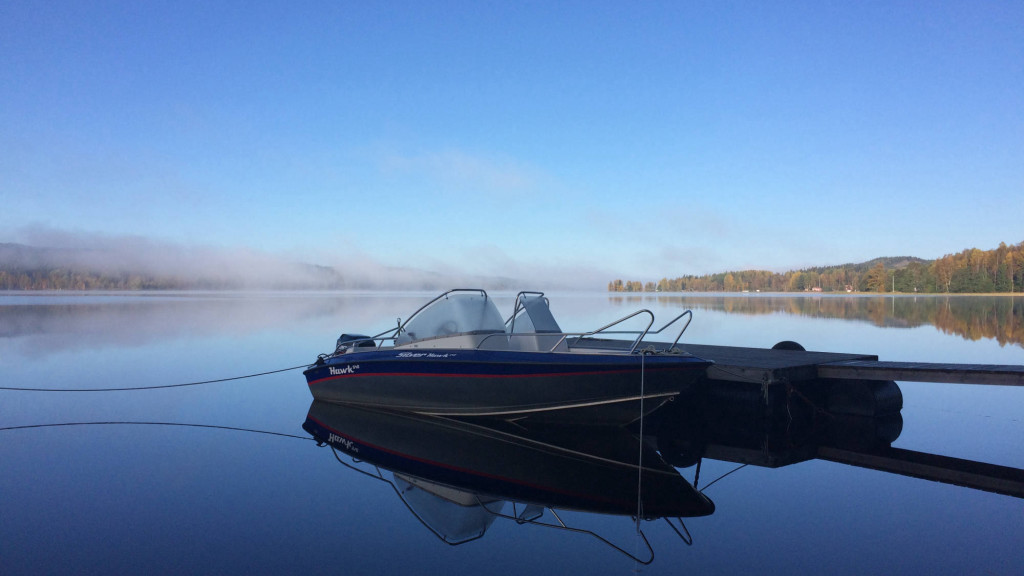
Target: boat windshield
(456,313)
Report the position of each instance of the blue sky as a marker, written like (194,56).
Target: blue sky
(577,140)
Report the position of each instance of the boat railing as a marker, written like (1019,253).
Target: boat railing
(640,333)
(689,318)
(576,337)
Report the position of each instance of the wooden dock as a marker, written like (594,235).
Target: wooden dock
(770,366)
(990,374)
(765,365)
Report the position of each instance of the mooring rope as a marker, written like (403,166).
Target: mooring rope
(156,387)
(640,463)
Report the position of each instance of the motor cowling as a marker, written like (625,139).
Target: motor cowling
(346,341)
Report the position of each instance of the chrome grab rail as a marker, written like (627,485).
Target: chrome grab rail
(672,321)
(639,338)
(580,335)
(688,313)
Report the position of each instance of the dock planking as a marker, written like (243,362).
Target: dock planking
(765,365)
(770,366)
(988,374)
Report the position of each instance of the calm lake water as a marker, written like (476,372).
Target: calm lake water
(243,489)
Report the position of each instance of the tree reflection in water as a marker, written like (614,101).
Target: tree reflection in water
(1000,318)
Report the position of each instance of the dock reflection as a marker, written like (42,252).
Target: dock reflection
(852,423)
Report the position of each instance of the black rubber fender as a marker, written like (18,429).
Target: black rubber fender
(788,345)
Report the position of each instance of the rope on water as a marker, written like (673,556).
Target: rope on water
(736,469)
(156,387)
(137,423)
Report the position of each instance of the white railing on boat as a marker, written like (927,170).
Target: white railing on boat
(576,337)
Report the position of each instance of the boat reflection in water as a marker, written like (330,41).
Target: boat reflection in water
(457,477)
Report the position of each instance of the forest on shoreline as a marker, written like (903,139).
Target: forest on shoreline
(971,271)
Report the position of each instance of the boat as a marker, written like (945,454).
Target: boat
(457,476)
(457,356)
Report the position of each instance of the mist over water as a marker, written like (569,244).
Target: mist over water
(182,266)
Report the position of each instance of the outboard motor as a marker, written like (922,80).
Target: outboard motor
(349,341)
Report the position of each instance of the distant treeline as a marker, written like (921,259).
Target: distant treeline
(970,271)
(68,279)
(64,279)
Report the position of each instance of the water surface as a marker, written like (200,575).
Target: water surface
(163,498)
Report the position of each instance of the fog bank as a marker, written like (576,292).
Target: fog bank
(42,250)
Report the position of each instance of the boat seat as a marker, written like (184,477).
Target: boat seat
(539,328)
